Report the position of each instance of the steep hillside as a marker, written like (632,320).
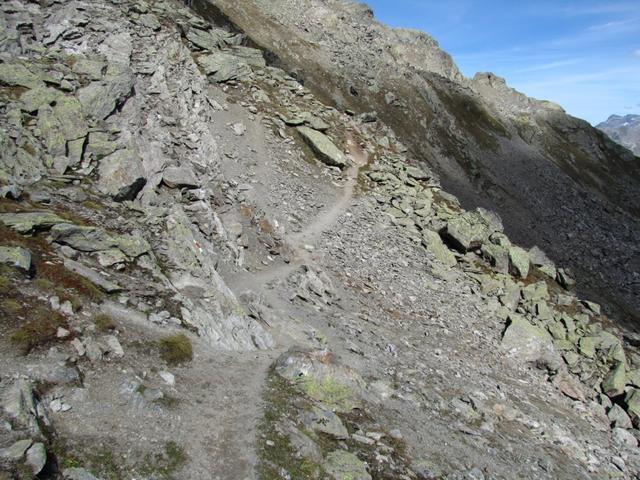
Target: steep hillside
(490,145)
(624,130)
(213,269)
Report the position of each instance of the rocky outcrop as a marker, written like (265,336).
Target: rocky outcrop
(623,129)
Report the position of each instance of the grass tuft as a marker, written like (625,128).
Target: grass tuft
(104,322)
(39,331)
(176,349)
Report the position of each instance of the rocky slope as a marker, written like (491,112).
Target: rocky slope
(491,145)
(624,130)
(208,270)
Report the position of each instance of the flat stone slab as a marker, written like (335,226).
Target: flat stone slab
(27,222)
(323,147)
(16,257)
(92,276)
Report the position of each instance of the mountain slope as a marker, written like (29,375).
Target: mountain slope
(208,271)
(490,145)
(624,130)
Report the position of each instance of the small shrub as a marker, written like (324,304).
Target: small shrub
(5,284)
(40,330)
(59,277)
(10,306)
(104,323)
(176,349)
(44,284)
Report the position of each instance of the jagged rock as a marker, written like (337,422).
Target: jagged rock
(470,230)
(99,145)
(564,279)
(16,451)
(250,56)
(36,98)
(528,343)
(615,381)
(30,221)
(179,177)
(624,438)
(122,175)
(16,74)
(37,457)
(222,67)
(341,465)
(519,262)
(93,276)
(619,418)
(632,400)
(100,99)
(213,310)
(95,239)
(21,405)
(535,292)
(323,147)
(569,386)
(432,242)
(16,257)
(325,421)
(210,40)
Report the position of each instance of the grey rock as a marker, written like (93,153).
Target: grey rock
(469,230)
(15,451)
(342,465)
(30,221)
(618,417)
(432,242)
(325,421)
(323,147)
(95,239)
(624,438)
(222,67)
(37,457)
(16,257)
(528,343)
(179,177)
(122,174)
(100,99)
(519,262)
(93,276)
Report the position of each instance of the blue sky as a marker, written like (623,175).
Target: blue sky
(582,54)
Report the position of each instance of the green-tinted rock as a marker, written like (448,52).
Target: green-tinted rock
(38,97)
(497,256)
(69,113)
(210,40)
(16,257)
(587,347)
(99,145)
(29,221)
(323,147)
(549,271)
(632,400)
(94,239)
(519,262)
(91,67)
(543,312)
(16,74)
(558,331)
(594,307)
(615,381)
(222,67)
(633,377)
(468,231)
(15,451)
(529,343)
(99,99)
(121,174)
(432,242)
(535,292)
(343,465)
(563,345)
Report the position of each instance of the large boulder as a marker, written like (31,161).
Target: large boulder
(28,222)
(99,99)
(323,147)
(16,257)
(122,175)
(432,242)
(467,231)
(95,239)
(527,343)
(222,67)
(180,177)
(518,262)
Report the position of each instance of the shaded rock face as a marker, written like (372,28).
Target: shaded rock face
(491,146)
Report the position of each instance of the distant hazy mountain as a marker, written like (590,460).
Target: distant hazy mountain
(624,130)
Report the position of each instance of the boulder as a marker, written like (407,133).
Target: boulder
(615,381)
(469,230)
(222,67)
(95,239)
(497,256)
(432,242)
(323,147)
(37,457)
(15,451)
(210,40)
(618,417)
(343,465)
(122,175)
(17,74)
(16,257)
(179,177)
(529,344)
(28,222)
(100,99)
(325,421)
(632,401)
(93,276)
(518,262)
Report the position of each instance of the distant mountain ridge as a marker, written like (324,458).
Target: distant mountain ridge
(623,129)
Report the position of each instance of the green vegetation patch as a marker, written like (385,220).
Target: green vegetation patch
(176,349)
(104,322)
(39,330)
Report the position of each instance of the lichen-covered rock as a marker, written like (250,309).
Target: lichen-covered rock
(28,222)
(342,465)
(179,177)
(323,147)
(94,277)
(95,239)
(16,257)
(469,230)
(432,242)
(99,99)
(528,343)
(222,67)
(15,451)
(36,457)
(122,174)
(615,381)
(519,262)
